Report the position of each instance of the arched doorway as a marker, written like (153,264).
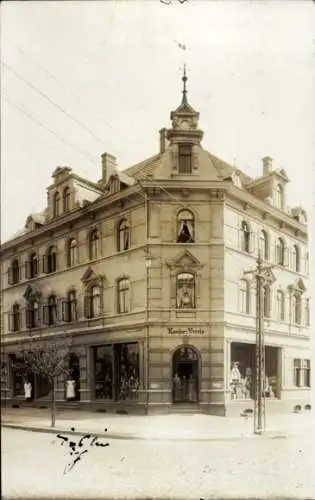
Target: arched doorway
(74,374)
(185,372)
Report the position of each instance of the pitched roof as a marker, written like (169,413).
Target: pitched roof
(145,168)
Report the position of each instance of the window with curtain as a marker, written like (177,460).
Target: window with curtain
(264,244)
(66,199)
(56,204)
(69,307)
(72,252)
(245,237)
(245,296)
(185,291)
(123,235)
(93,299)
(123,290)
(280,252)
(185,227)
(280,305)
(93,244)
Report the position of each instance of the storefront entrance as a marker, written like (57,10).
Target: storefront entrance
(185,375)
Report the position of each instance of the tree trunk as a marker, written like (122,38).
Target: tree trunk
(53,403)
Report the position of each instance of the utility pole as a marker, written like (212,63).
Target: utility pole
(263,276)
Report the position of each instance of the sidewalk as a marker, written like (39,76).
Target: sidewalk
(195,427)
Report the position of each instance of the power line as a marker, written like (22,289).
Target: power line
(29,115)
(45,96)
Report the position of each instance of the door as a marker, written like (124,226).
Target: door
(185,375)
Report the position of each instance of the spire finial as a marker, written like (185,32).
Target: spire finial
(184,78)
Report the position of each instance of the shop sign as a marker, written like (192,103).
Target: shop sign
(185,331)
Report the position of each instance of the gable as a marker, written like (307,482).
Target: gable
(184,260)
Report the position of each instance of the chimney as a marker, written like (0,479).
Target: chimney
(267,165)
(109,165)
(163,140)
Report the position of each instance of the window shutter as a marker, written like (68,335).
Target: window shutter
(65,311)
(10,276)
(87,306)
(46,315)
(45,264)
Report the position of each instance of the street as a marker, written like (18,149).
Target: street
(33,466)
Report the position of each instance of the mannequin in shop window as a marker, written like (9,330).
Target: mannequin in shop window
(235,378)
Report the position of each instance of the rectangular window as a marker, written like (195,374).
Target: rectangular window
(297,373)
(185,159)
(307,372)
(103,366)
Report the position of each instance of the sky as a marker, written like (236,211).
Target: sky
(83,78)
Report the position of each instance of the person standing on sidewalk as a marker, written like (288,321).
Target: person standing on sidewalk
(28,390)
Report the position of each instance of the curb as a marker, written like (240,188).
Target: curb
(133,437)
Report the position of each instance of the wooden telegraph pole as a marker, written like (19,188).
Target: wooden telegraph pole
(263,276)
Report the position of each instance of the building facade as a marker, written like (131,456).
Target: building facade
(144,272)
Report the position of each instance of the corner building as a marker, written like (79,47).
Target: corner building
(144,271)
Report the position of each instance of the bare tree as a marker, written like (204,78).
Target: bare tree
(48,359)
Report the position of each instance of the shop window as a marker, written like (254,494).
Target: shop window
(72,252)
(50,311)
(296,309)
(280,252)
(242,377)
(185,291)
(264,245)
(280,305)
(123,239)
(266,301)
(15,319)
(18,371)
(185,227)
(14,272)
(56,204)
(185,159)
(245,237)
(116,371)
(103,363)
(245,296)
(32,314)
(69,307)
(66,199)
(93,244)
(296,258)
(50,261)
(31,267)
(127,370)
(93,302)
(123,292)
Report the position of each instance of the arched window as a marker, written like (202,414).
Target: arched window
(307,312)
(123,296)
(123,235)
(266,301)
(279,201)
(280,305)
(31,267)
(264,244)
(93,244)
(280,252)
(14,318)
(296,258)
(14,272)
(66,199)
(245,296)
(296,309)
(72,252)
(69,307)
(185,227)
(185,291)
(50,260)
(56,204)
(245,237)
(32,314)
(50,311)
